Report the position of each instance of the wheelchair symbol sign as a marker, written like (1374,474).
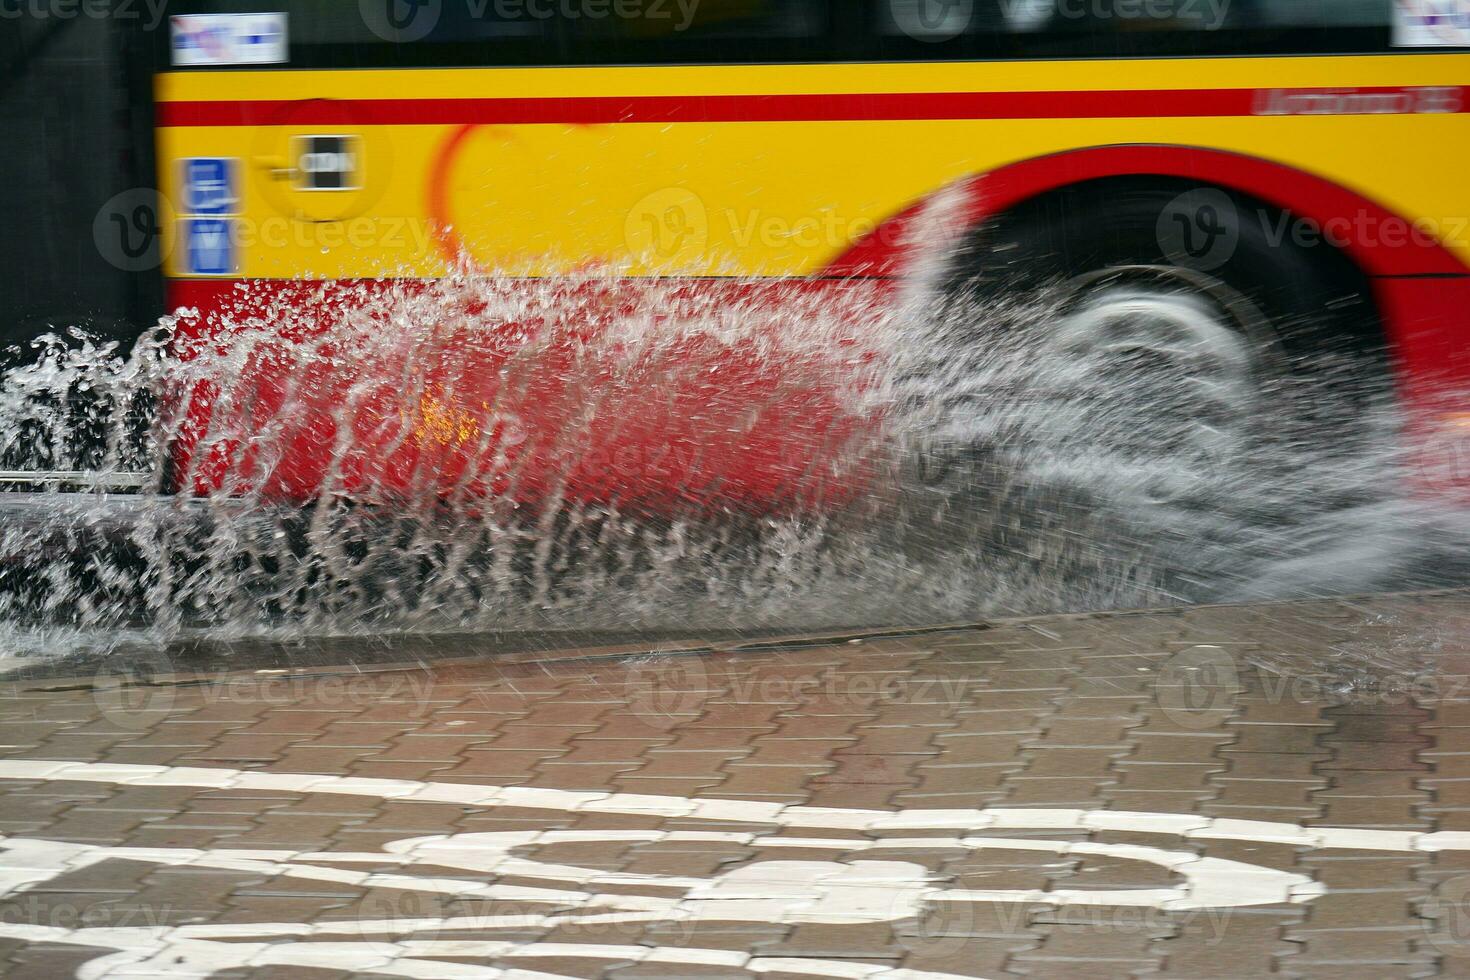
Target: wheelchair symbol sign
(210,185)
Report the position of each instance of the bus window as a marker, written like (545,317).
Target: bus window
(923,20)
(488,33)
(1321,13)
(1209,15)
(406,34)
(707,31)
(919,29)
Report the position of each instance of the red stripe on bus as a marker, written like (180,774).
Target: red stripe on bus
(588,110)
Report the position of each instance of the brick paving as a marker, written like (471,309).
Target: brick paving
(1206,792)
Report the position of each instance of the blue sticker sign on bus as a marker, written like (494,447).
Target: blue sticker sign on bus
(209,185)
(209,246)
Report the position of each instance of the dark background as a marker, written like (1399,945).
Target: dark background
(74,131)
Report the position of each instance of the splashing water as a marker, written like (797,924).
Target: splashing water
(800,459)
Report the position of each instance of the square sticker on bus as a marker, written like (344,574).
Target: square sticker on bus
(327,162)
(209,246)
(210,185)
(198,40)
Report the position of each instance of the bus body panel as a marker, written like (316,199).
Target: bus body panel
(778,169)
(784,172)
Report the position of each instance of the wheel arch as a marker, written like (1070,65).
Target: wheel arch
(1418,288)
(888,250)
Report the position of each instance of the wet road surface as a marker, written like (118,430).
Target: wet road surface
(1207,792)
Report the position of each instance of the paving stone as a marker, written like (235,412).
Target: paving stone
(1278,740)
(498,766)
(1080,792)
(1392,948)
(1073,721)
(1132,774)
(1157,801)
(45,961)
(781,783)
(771,751)
(1094,763)
(886,770)
(1196,748)
(1224,943)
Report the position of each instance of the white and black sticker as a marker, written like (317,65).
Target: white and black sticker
(328,163)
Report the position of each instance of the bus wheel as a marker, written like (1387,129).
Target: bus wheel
(1185,353)
(1172,349)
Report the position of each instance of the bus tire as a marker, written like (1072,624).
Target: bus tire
(1313,299)
(1252,327)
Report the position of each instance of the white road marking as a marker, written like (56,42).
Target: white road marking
(867,889)
(740,811)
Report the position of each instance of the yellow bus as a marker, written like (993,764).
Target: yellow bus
(1296,167)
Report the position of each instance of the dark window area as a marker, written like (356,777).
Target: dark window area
(81,235)
(413,33)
